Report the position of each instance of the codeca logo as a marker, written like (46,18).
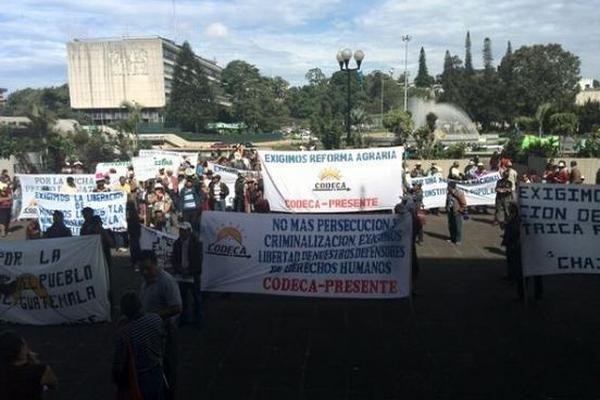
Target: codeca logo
(330,180)
(229,243)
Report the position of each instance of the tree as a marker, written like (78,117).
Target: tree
(400,123)
(423,78)
(542,74)
(315,77)
(325,126)
(542,116)
(488,58)
(589,116)
(260,102)
(425,137)
(468,56)
(563,124)
(192,102)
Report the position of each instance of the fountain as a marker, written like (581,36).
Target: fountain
(453,124)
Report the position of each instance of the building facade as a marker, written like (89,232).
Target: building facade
(105,73)
(2,98)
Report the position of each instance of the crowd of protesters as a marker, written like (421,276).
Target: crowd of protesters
(146,346)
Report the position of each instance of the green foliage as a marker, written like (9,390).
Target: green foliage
(423,79)
(468,55)
(543,74)
(488,58)
(192,102)
(542,116)
(400,123)
(54,99)
(425,137)
(457,150)
(563,124)
(326,127)
(259,102)
(526,124)
(591,145)
(589,116)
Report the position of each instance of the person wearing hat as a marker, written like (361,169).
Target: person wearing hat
(513,176)
(434,170)
(101,185)
(504,195)
(417,171)
(186,259)
(78,167)
(240,190)
(66,169)
(190,202)
(122,186)
(563,173)
(575,176)
(455,173)
(455,207)
(469,169)
(218,192)
(160,201)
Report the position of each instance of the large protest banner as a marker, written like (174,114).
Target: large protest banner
(53,281)
(110,206)
(192,158)
(343,256)
(159,242)
(332,181)
(478,192)
(228,176)
(114,169)
(560,229)
(52,183)
(144,168)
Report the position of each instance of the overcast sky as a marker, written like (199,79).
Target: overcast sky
(288,37)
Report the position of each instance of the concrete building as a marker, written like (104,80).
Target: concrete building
(2,98)
(103,73)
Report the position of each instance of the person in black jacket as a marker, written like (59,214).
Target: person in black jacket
(58,228)
(187,263)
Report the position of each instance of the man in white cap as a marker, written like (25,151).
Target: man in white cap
(417,171)
(187,262)
(78,167)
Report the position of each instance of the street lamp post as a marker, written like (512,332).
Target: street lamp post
(406,39)
(343,58)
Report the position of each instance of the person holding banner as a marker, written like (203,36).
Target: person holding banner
(58,227)
(512,241)
(455,207)
(22,376)
(187,262)
(6,202)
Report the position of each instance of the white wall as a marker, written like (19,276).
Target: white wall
(103,74)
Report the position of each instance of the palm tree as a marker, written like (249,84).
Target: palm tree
(41,123)
(542,114)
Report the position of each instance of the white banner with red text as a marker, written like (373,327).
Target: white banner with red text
(30,184)
(332,180)
(338,256)
(560,229)
(53,281)
(478,192)
(110,206)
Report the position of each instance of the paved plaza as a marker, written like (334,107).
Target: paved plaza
(467,336)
